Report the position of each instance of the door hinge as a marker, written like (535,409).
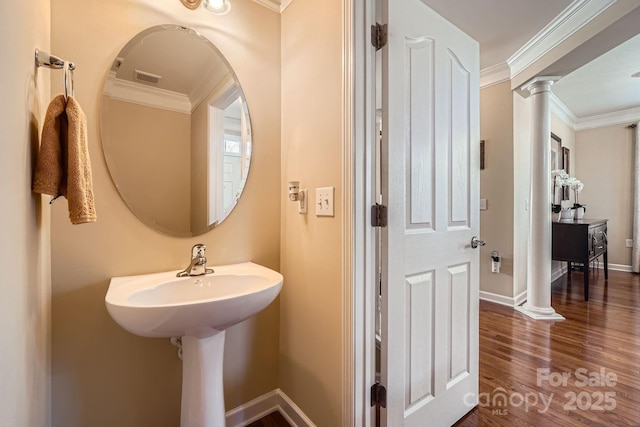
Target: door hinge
(378,395)
(378,215)
(379,35)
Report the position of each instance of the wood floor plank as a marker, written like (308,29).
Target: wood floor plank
(601,335)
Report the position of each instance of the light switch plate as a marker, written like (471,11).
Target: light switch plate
(483,204)
(628,243)
(324,201)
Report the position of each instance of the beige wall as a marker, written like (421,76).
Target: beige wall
(312,297)
(496,185)
(604,163)
(103,375)
(150,154)
(24,236)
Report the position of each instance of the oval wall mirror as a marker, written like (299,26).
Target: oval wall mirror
(175,131)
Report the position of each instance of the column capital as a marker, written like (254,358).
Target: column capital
(539,84)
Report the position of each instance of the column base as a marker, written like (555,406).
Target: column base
(538,313)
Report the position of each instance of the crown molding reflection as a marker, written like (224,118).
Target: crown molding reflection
(144,95)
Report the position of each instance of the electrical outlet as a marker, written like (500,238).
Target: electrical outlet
(628,243)
(324,201)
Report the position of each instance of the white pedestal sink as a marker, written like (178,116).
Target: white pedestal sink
(198,309)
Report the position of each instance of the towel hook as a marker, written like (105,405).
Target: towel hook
(45,59)
(68,80)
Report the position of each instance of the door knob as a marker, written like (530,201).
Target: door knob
(475,242)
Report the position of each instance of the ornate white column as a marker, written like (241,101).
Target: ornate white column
(538,305)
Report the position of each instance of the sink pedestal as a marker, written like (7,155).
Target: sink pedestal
(202,393)
(198,309)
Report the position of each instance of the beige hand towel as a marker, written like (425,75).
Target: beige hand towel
(63,164)
(79,181)
(49,169)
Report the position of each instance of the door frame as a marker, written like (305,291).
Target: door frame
(358,168)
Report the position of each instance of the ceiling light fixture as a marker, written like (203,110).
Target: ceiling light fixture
(191,4)
(216,7)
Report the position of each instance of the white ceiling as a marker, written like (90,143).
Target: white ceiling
(500,26)
(615,90)
(603,86)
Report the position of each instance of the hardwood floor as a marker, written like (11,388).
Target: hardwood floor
(597,349)
(520,360)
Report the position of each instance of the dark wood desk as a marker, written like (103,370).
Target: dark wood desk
(581,241)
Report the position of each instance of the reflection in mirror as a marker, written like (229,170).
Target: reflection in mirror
(175,131)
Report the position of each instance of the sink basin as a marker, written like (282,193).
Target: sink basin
(198,309)
(163,305)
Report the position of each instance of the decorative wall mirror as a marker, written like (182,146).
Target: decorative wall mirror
(175,131)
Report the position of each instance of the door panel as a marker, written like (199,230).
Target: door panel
(430,179)
(420,80)
(459,105)
(420,329)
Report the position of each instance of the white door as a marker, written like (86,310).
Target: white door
(430,165)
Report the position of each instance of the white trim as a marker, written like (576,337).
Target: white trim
(495,74)
(520,298)
(271,5)
(359,164)
(632,115)
(558,271)
(538,316)
(284,4)
(275,400)
(504,300)
(350,297)
(274,5)
(617,267)
(140,94)
(558,108)
(573,18)
(562,112)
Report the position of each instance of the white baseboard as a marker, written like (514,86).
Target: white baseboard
(504,300)
(520,298)
(557,272)
(618,267)
(275,400)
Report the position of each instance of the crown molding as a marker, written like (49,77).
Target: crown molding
(573,18)
(562,112)
(495,74)
(631,115)
(274,5)
(145,95)
(284,4)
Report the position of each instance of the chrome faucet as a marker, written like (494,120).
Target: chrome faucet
(198,264)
